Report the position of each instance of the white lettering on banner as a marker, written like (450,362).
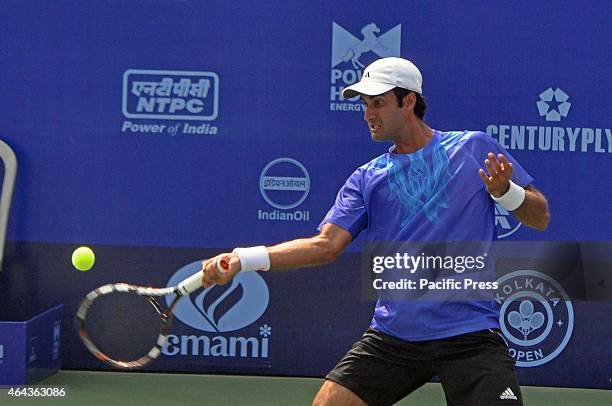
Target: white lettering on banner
(536,316)
(173,130)
(277,215)
(217,346)
(526,355)
(554,106)
(168,105)
(347,76)
(170,95)
(167,87)
(346,107)
(285,183)
(200,129)
(284,192)
(142,128)
(542,138)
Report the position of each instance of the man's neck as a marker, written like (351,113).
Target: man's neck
(416,137)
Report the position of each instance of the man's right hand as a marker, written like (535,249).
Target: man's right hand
(213,275)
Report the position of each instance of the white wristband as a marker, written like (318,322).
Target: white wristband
(253,258)
(512,199)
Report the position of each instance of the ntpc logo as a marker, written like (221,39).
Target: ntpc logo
(221,309)
(553,104)
(170,95)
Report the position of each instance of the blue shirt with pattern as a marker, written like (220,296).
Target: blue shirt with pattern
(433,194)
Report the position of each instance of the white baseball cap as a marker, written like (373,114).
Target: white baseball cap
(383,75)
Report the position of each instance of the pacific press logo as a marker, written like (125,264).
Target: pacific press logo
(218,310)
(351,54)
(536,316)
(170,102)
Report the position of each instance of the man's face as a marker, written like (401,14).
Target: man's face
(385,118)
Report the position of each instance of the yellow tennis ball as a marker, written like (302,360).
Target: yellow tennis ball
(83,258)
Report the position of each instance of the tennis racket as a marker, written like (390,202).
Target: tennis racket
(125,326)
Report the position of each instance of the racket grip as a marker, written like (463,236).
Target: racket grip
(191,284)
(194,282)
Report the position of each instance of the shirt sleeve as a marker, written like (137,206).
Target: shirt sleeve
(349,210)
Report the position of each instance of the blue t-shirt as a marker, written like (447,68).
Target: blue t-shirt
(433,194)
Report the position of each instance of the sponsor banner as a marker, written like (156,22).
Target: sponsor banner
(536,317)
(284,184)
(260,325)
(224,321)
(163,97)
(352,53)
(553,106)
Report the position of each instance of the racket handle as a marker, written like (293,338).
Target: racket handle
(191,284)
(194,282)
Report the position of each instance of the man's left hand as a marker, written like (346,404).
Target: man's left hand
(500,173)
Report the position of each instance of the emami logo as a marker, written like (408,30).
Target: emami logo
(218,310)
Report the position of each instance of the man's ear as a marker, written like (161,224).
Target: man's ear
(410,101)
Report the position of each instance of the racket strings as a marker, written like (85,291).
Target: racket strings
(124,326)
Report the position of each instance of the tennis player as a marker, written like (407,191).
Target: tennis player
(430,186)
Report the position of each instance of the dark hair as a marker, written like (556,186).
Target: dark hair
(419,107)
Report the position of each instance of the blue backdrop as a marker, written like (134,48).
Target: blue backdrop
(154,131)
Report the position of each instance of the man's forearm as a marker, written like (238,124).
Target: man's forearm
(304,252)
(300,253)
(534,210)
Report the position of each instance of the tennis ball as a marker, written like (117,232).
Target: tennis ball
(83,258)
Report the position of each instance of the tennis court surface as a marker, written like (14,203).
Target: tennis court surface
(115,388)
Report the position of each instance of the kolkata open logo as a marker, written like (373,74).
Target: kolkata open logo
(536,316)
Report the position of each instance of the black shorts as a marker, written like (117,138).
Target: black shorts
(474,368)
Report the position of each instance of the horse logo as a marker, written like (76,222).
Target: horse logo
(348,48)
(369,43)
